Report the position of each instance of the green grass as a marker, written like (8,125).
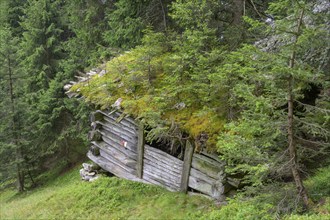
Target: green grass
(107,198)
(67,197)
(278,201)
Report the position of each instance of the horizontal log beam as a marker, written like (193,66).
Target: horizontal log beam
(120,135)
(127,117)
(109,122)
(163,156)
(118,155)
(108,143)
(113,160)
(175,170)
(200,175)
(212,156)
(125,121)
(112,168)
(110,134)
(214,190)
(165,163)
(168,176)
(118,140)
(153,178)
(208,166)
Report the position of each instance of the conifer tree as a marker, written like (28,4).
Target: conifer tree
(48,122)
(269,84)
(12,117)
(128,19)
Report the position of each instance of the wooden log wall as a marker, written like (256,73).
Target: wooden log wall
(207,176)
(118,146)
(162,169)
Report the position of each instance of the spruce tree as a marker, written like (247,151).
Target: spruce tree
(11,105)
(271,85)
(48,122)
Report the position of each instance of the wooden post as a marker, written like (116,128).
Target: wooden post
(186,167)
(95,116)
(140,151)
(95,150)
(94,135)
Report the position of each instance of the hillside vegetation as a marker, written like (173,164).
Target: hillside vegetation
(67,197)
(248,80)
(106,198)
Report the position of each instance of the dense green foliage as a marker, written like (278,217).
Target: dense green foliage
(247,79)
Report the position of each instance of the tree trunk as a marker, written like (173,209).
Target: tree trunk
(19,171)
(293,149)
(238,11)
(164,15)
(291,142)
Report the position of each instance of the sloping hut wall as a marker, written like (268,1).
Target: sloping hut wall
(117,145)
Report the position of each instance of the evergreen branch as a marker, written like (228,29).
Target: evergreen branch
(315,143)
(325,131)
(312,106)
(254,7)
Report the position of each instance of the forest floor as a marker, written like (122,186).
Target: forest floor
(67,197)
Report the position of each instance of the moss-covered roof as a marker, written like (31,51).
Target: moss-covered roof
(150,91)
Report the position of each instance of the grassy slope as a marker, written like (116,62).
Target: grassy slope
(106,198)
(111,198)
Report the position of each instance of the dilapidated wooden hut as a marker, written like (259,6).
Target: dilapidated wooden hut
(118,146)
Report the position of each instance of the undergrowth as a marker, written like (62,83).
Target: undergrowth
(106,198)
(279,201)
(67,197)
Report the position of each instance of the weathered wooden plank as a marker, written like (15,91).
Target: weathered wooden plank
(176,170)
(163,156)
(126,121)
(112,168)
(108,143)
(112,159)
(113,152)
(160,177)
(140,151)
(160,152)
(121,134)
(209,160)
(213,156)
(128,118)
(109,122)
(162,161)
(200,175)
(156,179)
(129,138)
(169,176)
(207,166)
(117,128)
(151,180)
(120,141)
(214,190)
(186,167)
